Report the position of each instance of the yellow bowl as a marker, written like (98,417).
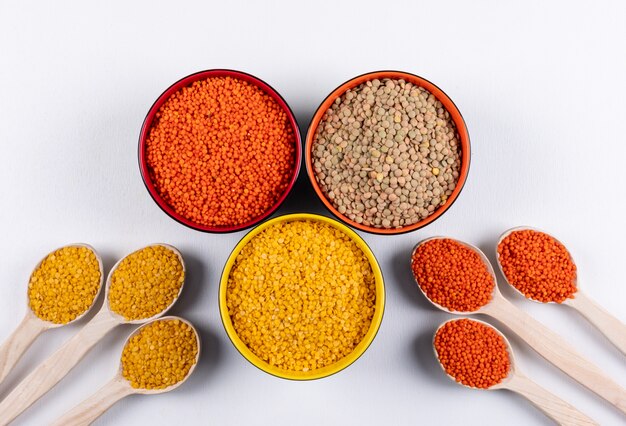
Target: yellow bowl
(329,369)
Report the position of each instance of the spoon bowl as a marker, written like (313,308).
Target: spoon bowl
(513,363)
(494,295)
(528,228)
(32,326)
(120,318)
(552,406)
(612,328)
(50,324)
(175,385)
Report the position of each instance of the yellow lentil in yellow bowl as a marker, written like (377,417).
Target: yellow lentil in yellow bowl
(301,296)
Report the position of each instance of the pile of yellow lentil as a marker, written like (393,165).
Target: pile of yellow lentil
(301,295)
(65,284)
(146,282)
(160,354)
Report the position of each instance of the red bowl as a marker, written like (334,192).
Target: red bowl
(147,124)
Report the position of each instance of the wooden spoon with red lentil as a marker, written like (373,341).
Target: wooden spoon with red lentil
(476,355)
(458,278)
(541,269)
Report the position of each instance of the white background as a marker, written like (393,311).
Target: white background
(542,89)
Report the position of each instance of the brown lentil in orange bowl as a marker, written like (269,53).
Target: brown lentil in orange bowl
(387,152)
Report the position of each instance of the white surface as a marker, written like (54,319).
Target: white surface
(540,85)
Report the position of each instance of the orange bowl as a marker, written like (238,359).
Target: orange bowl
(441,97)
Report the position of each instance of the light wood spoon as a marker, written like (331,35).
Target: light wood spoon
(51,371)
(117,388)
(612,328)
(544,341)
(551,405)
(32,326)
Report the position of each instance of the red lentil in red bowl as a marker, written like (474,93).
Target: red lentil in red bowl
(219,151)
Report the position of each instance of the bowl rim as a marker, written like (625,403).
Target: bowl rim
(328,370)
(147,124)
(441,96)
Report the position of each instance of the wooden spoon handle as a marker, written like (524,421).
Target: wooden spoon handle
(551,405)
(93,407)
(611,327)
(52,370)
(555,349)
(16,344)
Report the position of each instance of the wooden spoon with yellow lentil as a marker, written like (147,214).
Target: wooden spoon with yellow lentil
(62,288)
(158,357)
(140,287)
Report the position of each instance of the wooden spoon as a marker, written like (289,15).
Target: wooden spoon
(32,326)
(612,328)
(117,388)
(544,341)
(551,405)
(52,370)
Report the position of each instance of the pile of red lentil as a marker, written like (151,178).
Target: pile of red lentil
(452,275)
(221,152)
(538,266)
(473,353)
